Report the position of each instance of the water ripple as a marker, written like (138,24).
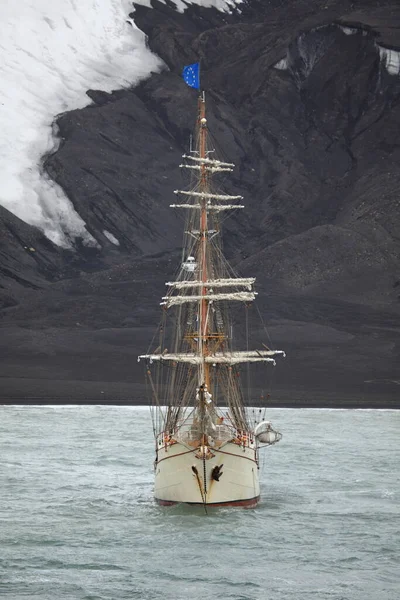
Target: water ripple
(78,521)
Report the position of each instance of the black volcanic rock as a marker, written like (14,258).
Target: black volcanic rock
(106,166)
(28,259)
(315,144)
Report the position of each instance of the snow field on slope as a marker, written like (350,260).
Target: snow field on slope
(181,5)
(52,52)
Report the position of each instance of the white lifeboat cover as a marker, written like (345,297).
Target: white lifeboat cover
(262,427)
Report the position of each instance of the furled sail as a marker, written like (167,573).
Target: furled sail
(214,207)
(229,358)
(208,196)
(214,283)
(240,296)
(207,161)
(208,169)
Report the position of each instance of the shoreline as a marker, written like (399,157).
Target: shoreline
(29,391)
(347,404)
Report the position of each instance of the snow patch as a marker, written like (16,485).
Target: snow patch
(391,59)
(348,30)
(282,64)
(51,53)
(111,237)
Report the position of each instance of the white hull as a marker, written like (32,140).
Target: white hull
(186,475)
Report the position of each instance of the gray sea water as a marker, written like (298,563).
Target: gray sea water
(77,518)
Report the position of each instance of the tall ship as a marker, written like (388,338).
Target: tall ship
(207,438)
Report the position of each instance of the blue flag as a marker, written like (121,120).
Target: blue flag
(191,75)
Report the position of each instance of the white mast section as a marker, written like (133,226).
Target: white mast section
(208,196)
(213,283)
(216,207)
(241,296)
(208,161)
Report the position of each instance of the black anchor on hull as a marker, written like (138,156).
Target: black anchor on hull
(217,472)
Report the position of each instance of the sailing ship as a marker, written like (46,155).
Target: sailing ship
(207,440)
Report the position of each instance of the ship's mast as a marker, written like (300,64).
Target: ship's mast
(203,229)
(202,284)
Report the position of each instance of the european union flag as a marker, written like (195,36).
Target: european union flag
(191,75)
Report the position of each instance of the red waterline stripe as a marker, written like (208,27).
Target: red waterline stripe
(248,503)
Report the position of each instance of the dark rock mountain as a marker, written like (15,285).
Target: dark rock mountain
(300,98)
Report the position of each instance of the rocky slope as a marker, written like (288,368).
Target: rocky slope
(300,99)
